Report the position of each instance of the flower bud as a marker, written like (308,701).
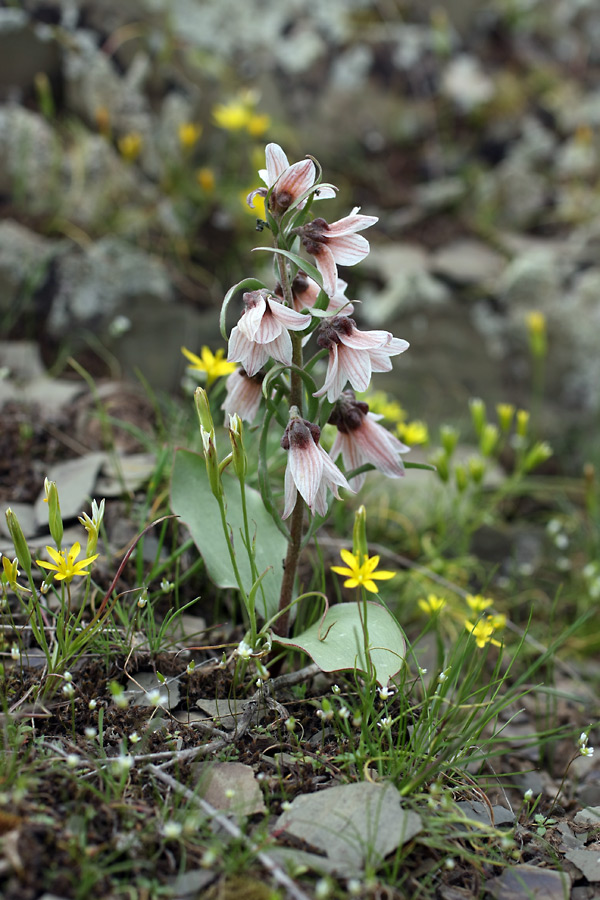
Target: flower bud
(212,462)
(460,477)
(55,522)
(203,410)
(360,547)
(449,437)
(488,438)
(19,542)
(538,454)
(536,330)
(506,414)
(522,422)
(440,461)
(238,452)
(478,414)
(476,469)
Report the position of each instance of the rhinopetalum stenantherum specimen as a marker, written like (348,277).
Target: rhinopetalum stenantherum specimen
(307,303)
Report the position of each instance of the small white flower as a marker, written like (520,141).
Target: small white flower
(90,732)
(449,863)
(73,760)
(119,326)
(357,720)
(166,586)
(172,830)
(354,887)
(67,676)
(209,858)
(335,689)
(68,689)
(322,889)
(121,700)
(442,677)
(385,693)
(123,763)
(290,723)
(583,739)
(15,653)
(528,795)
(92,704)
(586,751)
(326,715)
(286,805)
(143,598)
(230,793)
(344,712)
(134,737)
(157,698)
(561,540)
(385,722)
(422,671)
(243,650)
(190,667)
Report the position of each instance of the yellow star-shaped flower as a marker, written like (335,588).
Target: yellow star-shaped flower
(361,574)
(213,364)
(482,631)
(64,563)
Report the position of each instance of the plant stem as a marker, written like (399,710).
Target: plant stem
(290,565)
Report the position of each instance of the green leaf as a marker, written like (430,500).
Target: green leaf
(302,263)
(336,643)
(249,284)
(192,500)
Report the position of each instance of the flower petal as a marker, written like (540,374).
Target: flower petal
(277,163)
(348,249)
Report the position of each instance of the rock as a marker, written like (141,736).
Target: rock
(468,262)
(75,480)
(31,164)
(533,882)
(408,286)
(25,258)
(103,282)
(25,50)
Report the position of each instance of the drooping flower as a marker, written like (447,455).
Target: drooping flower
(360,439)
(361,574)
(336,243)
(212,364)
(262,332)
(354,355)
(287,182)
(310,471)
(305,292)
(64,563)
(243,395)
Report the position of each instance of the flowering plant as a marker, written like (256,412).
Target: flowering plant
(305,303)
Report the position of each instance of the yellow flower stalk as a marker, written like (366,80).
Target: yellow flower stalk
(258,124)
(189,134)
(432,605)
(361,575)
(130,146)
(212,364)
(478,604)
(64,564)
(482,631)
(413,433)
(232,116)
(206,179)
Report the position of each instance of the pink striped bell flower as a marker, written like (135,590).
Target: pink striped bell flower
(243,394)
(361,439)
(354,355)
(288,182)
(262,332)
(336,243)
(310,471)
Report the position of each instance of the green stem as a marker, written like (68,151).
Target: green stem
(289,567)
(249,549)
(232,557)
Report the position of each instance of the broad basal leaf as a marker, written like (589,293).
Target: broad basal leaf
(337,643)
(193,501)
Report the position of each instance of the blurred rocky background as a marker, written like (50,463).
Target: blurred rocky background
(131,132)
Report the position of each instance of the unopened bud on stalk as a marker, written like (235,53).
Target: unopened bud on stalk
(506,414)
(488,439)
(360,547)
(476,469)
(212,462)
(238,452)
(478,414)
(460,477)
(538,454)
(522,422)
(440,461)
(449,437)
(536,330)
(19,542)
(203,410)
(55,522)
